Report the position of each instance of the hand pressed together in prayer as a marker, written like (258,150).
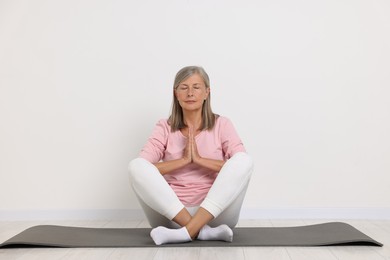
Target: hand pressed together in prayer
(191,154)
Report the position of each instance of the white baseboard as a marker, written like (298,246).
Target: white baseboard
(88,214)
(315,213)
(246,213)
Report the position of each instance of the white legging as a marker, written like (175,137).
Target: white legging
(223,201)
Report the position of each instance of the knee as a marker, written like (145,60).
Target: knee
(245,162)
(136,169)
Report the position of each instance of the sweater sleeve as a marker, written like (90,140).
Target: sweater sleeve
(153,151)
(231,142)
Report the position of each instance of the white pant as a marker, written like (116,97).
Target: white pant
(223,201)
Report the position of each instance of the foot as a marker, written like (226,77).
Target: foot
(163,235)
(222,232)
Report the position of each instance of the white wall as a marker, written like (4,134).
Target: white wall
(306,83)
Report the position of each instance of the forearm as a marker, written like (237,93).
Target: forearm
(215,165)
(169,166)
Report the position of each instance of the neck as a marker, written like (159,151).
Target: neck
(193,118)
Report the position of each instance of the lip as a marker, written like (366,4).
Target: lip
(190,101)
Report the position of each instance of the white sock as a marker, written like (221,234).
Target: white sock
(222,232)
(162,235)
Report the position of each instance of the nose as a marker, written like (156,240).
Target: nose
(190,92)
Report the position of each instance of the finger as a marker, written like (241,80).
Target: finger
(189,143)
(190,132)
(195,147)
(190,138)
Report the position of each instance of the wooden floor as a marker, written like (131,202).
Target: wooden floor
(377,229)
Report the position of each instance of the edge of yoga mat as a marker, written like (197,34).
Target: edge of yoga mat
(326,234)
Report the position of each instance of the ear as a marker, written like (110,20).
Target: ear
(207,92)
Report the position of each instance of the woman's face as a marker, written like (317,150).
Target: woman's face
(191,93)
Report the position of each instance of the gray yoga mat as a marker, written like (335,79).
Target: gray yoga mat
(327,234)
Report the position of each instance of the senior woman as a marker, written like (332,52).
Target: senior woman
(192,174)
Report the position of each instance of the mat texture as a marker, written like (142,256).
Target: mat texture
(327,234)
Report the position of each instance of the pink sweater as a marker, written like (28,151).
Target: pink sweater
(192,182)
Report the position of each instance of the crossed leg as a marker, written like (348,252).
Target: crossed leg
(164,210)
